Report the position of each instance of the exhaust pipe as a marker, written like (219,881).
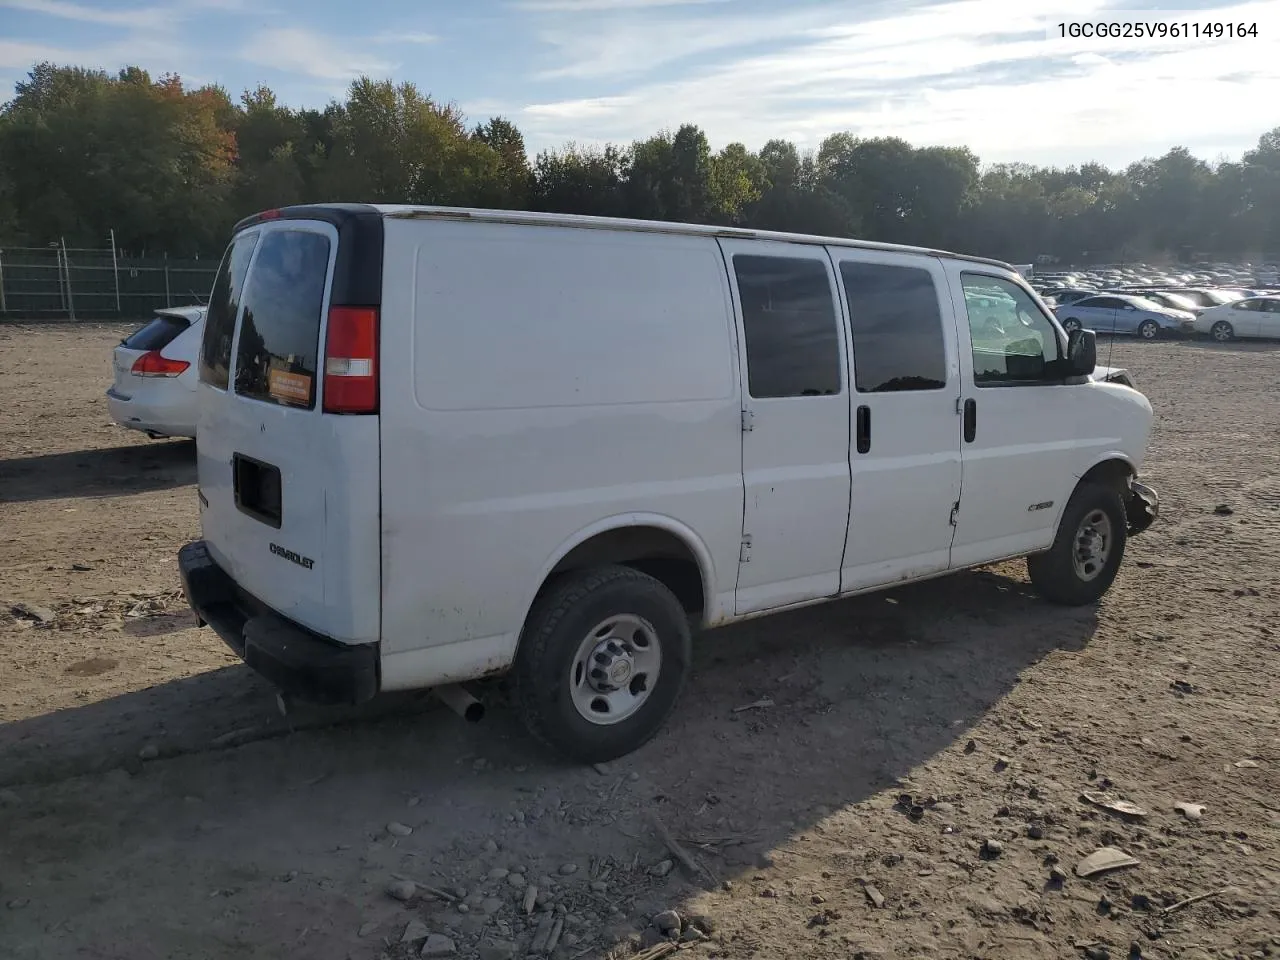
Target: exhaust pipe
(457,699)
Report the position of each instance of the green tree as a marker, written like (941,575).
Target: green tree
(88,153)
(583,180)
(1259,176)
(795,198)
(512,185)
(392,144)
(268,168)
(669,177)
(1169,200)
(737,181)
(170,168)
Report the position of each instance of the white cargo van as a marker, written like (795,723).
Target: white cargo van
(439,444)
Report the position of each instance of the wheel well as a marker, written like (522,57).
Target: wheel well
(652,550)
(1109,473)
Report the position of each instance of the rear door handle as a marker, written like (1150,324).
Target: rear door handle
(970,420)
(864,429)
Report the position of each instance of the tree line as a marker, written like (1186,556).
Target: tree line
(170,169)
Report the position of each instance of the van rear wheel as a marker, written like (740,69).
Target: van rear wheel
(602,660)
(1085,557)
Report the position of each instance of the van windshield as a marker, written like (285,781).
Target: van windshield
(280,331)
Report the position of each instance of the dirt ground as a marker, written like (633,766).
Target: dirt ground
(153,803)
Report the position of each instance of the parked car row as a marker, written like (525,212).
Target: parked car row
(1220,275)
(1223,301)
(1154,313)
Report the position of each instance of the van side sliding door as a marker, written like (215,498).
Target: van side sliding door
(795,440)
(905,458)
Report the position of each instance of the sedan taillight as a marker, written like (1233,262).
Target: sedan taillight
(152,364)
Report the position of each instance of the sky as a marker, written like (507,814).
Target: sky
(993,75)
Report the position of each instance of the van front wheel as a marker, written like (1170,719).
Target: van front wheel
(1085,557)
(602,659)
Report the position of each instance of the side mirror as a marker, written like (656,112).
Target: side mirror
(1082,353)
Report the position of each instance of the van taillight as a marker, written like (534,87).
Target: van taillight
(351,361)
(152,364)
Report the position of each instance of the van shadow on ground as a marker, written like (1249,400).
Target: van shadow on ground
(861,692)
(111,471)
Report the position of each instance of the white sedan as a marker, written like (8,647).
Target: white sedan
(155,375)
(1251,317)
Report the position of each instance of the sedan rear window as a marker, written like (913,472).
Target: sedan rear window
(157,334)
(280,331)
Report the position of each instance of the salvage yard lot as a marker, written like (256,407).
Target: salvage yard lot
(153,804)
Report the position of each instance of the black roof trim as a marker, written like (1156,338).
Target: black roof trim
(357,274)
(335,213)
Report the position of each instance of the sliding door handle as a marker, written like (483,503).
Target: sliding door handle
(864,429)
(970,420)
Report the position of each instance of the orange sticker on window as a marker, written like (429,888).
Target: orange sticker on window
(289,387)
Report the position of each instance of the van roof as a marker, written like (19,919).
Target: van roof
(530,218)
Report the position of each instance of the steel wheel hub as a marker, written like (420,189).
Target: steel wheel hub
(610,666)
(615,669)
(1092,545)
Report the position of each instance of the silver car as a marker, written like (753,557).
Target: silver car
(1114,313)
(155,375)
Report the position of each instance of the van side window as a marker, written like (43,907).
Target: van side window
(224,304)
(898,341)
(1013,342)
(280,332)
(789,321)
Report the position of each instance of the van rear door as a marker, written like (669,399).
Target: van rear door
(288,463)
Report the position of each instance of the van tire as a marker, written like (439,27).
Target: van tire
(1055,573)
(557,627)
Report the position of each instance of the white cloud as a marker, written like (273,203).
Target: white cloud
(135,17)
(980,73)
(21,54)
(616,48)
(151,51)
(391,38)
(594,6)
(301,51)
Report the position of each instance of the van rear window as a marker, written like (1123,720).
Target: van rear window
(157,334)
(224,304)
(280,332)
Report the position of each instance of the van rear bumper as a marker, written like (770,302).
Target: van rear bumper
(297,661)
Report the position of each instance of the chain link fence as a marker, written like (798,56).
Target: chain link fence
(79,283)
